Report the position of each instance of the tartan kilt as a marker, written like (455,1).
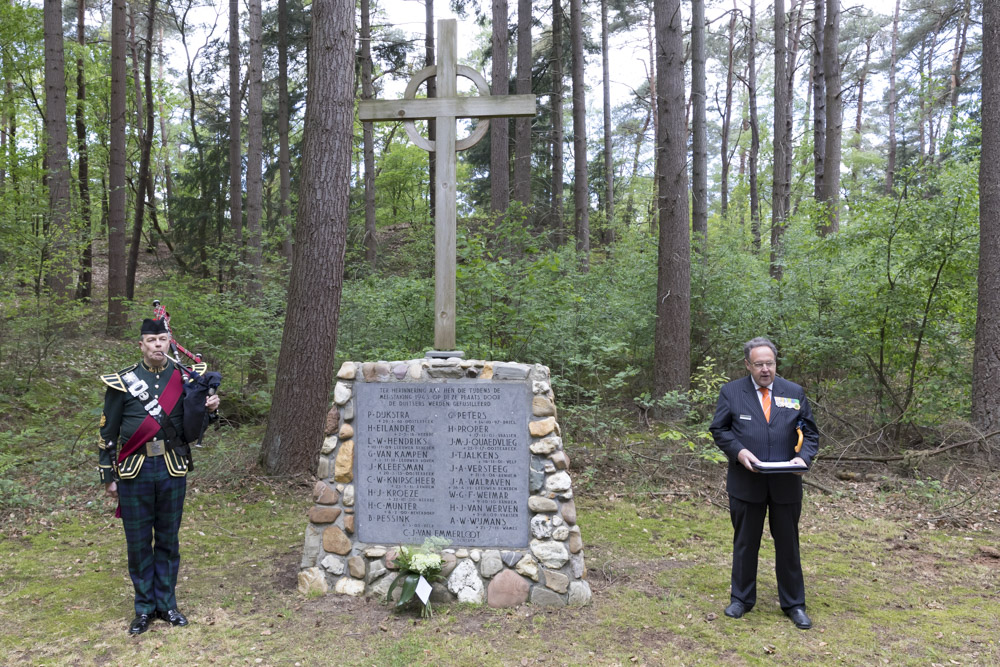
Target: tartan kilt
(152,504)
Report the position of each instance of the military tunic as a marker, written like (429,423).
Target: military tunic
(151,488)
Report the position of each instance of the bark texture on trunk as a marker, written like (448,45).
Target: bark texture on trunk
(431,92)
(699,138)
(779,177)
(500,127)
(834,118)
(522,126)
(117,315)
(284,151)
(235,142)
(819,98)
(305,364)
(672,344)
(145,101)
(581,203)
(754,130)
(368,138)
(986,358)
(255,150)
(558,223)
(727,114)
(60,253)
(83,284)
(609,162)
(890,168)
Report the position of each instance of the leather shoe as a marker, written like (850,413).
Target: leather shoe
(139,624)
(172,616)
(735,609)
(799,618)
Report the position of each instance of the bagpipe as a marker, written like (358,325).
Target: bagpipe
(199,384)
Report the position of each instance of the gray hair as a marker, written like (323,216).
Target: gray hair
(759,341)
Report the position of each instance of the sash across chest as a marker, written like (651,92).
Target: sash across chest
(157,413)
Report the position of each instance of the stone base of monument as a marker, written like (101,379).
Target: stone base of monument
(465,450)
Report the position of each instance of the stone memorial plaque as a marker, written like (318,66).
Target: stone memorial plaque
(447,459)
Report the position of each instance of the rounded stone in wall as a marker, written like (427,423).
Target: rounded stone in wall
(334,541)
(541,526)
(508,589)
(543,597)
(465,583)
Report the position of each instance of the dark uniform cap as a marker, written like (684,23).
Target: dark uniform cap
(152,327)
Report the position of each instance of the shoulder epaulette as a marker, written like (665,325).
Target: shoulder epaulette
(114,380)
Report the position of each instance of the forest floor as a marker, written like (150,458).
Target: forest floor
(899,571)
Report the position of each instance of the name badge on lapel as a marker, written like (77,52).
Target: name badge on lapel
(783,402)
(745,417)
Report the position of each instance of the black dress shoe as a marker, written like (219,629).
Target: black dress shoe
(799,618)
(735,609)
(172,616)
(139,624)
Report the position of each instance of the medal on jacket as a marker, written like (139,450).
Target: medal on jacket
(783,402)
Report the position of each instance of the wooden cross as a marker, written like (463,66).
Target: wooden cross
(442,111)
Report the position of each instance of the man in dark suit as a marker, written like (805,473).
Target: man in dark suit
(755,421)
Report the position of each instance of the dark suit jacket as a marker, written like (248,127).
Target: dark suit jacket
(739,424)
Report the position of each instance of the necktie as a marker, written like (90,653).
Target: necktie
(766,403)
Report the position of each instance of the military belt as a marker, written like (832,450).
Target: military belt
(155,448)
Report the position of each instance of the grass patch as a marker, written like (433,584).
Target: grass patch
(879,590)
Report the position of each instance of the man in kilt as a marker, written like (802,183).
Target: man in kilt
(144,459)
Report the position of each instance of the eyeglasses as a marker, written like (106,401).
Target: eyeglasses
(759,365)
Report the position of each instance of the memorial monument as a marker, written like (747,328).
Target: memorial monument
(445,447)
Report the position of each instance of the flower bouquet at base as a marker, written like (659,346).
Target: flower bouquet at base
(419,567)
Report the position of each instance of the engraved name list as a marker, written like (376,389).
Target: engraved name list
(447,459)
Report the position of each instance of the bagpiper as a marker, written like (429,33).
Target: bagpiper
(144,460)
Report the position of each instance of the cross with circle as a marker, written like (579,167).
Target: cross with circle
(443,110)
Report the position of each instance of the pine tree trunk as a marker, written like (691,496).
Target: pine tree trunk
(202,225)
(834,118)
(255,150)
(235,142)
(146,148)
(558,223)
(522,126)
(890,168)
(431,92)
(862,80)
(117,315)
(308,345)
(60,254)
(955,80)
(651,47)
(609,162)
(794,38)
(727,116)
(779,179)
(84,282)
(699,138)
(500,127)
(754,129)
(368,138)
(165,140)
(986,359)
(819,99)
(581,203)
(284,151)
(672,344)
